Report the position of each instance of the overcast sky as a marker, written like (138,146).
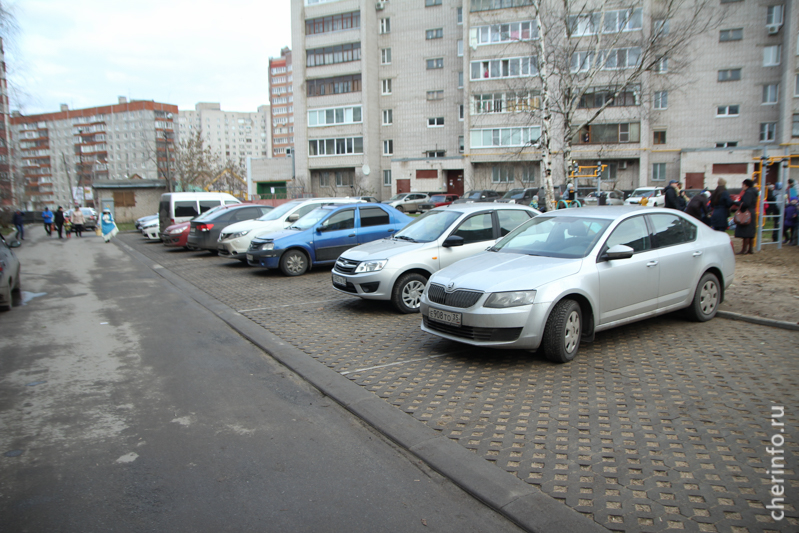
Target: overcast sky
(86,53)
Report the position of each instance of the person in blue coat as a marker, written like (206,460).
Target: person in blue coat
(720,203)
(108,226)
(47,218)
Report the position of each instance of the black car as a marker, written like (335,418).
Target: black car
(481,195)
(519,196)
(205,229)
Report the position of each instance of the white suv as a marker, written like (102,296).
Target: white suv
(235,239)
(407,202)
(397,269)
(654,197)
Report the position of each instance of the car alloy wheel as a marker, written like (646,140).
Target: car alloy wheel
(407,293)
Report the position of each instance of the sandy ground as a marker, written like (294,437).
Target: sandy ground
(766,283)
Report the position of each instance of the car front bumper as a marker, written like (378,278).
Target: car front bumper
(233,247)
(151,233)
(513,327)
(370,285)
(264,258)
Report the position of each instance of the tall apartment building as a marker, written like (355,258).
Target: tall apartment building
(281,79)
(442,95)
(231,135)
(57,152)
(8,193)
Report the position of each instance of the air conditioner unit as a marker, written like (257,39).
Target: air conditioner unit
(623,165)
(380,6)
(773,29)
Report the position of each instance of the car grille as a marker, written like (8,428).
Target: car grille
(475,334)
(460,298)
(345,266)
(349,288)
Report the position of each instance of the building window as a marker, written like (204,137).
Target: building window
(435,122)
(385,25)
(731,35)
(771,55)
(625,132)
(460,15)
(330,55)
(512,67)
(387,178)
(795,126)
(662,66)
(661,99)
(487,5)
(460,142)
(460,47)
(334,115)
(608,22)
(437,33)
(615,59)
(658,171)
(344,178)
(774,15)
(345,21)
(460,80)
(435,63)
(658,137)
(435,95)
(489,137)
(796,86)
(388,147)
(433,154)
(337,85)
(768,131)
(731,74)
(727,144)
(503,33)
(771,93)
(599,96)
(388,117)
(727,110)
(460,111)
(430,3)
(501,174)
(386,86)
(385,56)
(338,146)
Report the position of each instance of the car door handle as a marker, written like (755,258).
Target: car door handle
(651,264)
(698,253)
(351,235)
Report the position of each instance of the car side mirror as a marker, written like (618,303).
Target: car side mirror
(293,217)
(620,251)
(452,240)
(14,244)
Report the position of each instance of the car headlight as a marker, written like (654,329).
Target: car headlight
(177,230)
(510,299)
(238,234)
(268,246)
(371,266)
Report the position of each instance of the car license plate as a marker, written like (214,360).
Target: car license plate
(192,230)
(249,258)
(445,317)
(338,280)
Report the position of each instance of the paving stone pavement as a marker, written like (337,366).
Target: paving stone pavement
(657,426)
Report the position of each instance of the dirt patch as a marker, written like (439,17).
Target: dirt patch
(766,283)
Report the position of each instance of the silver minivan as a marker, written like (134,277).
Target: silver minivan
(397,269)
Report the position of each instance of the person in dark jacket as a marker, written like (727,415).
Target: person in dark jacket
(19,222)
(790,224)
(672,200)
(59,221)
(697,207)
(720,203)
(748,203)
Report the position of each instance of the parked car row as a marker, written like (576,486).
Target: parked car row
(493,274)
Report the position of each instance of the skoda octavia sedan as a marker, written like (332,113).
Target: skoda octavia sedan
(397,269)
(322,235)
(566,275)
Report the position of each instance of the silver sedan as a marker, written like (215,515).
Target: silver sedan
(565,275)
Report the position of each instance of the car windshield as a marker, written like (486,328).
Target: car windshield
(429,226)
(513,193)
(472,194)
(561,236)
(311,218)
(398,197)
(279,211)
(645,193)
(438,198)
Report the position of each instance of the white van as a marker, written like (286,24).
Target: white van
(177,207)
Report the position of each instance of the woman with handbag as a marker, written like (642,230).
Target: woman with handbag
(745,222)
(720,203)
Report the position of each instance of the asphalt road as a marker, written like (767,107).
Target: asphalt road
(125,406)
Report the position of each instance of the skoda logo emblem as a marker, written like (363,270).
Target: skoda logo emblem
(451,286)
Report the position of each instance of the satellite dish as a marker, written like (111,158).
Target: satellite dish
(366,170)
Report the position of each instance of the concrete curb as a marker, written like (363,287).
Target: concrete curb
(508,495)
(757,320)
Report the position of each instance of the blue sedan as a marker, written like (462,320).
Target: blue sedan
(319,237)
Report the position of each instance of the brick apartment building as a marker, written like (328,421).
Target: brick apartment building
(440,95)
(71,148)
(281,80)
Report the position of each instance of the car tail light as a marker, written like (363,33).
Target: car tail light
(204,227)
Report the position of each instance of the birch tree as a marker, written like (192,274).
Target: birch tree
(194,163)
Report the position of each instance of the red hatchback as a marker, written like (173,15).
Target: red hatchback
(177,235)
(437,200)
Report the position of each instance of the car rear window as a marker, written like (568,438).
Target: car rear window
(186,209)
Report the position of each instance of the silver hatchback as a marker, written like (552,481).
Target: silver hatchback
(397,269)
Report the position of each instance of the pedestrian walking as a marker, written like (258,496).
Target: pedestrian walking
(720,203)
(59,221)
(789,225)
(748,204)
(78,220)
(672,200)
(108,225)
(47,218)
(19,222)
